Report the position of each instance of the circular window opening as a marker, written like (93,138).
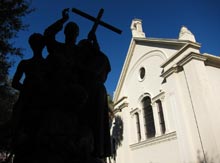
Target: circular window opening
(142,73)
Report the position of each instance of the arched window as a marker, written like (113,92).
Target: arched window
(161,117)
(148,117)
(138,126)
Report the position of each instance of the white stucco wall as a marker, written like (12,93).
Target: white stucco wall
(201,94)
(213,75)
(134,89)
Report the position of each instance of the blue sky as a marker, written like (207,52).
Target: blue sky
(160,18)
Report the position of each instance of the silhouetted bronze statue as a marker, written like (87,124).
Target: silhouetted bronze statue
(26,114)
(62,111)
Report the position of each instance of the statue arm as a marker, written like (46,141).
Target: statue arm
(17,77)
(52,30)
(93,39)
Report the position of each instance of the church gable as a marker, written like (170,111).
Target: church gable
(143,47)
(141,60)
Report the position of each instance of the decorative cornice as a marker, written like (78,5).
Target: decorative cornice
(134,111)
(164,41)
(190,57)
(121,99)
(159,96)
(120,107)
(155,140)
(174,69)
(194,45)
(122,103)
(179,65)
(212,60)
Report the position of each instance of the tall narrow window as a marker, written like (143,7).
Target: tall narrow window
(161,117)
(148,117)
(138,126)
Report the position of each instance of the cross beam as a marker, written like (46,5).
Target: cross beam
(97,21)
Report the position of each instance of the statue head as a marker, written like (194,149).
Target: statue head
(71,31)
(36,41)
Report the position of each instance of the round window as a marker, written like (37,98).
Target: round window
(142,73)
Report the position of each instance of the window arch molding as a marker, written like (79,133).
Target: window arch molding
(141,97)
(145,103)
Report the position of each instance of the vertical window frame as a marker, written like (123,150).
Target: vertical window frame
(138,126)
(149,123)
(161,116)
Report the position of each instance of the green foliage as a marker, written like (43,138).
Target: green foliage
(117,131)
(8,97)
(11,13)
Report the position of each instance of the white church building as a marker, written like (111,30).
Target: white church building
(167,102)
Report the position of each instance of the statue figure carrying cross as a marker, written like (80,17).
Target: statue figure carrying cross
(97,68)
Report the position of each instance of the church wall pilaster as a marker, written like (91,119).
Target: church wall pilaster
(199,90)
(182,119)
(166,117)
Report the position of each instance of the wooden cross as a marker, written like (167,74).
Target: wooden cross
(97,21)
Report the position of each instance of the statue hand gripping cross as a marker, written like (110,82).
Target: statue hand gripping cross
(97,21)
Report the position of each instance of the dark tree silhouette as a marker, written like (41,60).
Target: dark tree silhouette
(11,13)
(8,97)
(118,131)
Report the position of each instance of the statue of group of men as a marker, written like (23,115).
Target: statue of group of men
(62,112)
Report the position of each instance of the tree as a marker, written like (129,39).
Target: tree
(8,97)
(110,107)
(11,13)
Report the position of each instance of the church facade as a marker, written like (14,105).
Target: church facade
(166,102)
